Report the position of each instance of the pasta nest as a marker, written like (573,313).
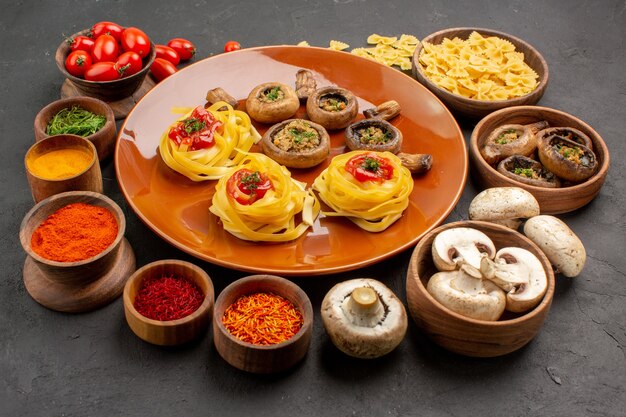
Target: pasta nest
(272,218)
(371,205)
(233,138)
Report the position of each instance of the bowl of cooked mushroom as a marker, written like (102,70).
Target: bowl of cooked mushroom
(557,157)
(479,289)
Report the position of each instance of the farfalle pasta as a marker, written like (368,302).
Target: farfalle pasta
(371,189)
(481,68)
(205,144)
(260,201)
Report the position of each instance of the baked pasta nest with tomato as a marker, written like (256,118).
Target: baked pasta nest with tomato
(260,201)
(370,188)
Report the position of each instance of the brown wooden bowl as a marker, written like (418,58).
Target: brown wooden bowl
(262,359)
(103,139)
(173,332)
(106,90)
(551,200)
(89,179)
(463,335)
(473,108)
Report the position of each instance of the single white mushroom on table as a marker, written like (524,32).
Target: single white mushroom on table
(507,206)
(364,318)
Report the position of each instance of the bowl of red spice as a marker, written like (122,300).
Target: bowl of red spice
(77,256)
(169,302)
(262,324)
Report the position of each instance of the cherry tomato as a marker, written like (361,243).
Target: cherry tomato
(232,46)
(246,186)
(78,62)
(102,71)
(129,63)
(196,131)
(109,28)
(80,43)
(369,167)
(168,54)
(134,39)
(105,49)
(161,69)
(185,48)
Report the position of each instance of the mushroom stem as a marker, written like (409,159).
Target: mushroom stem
(363,307)
(417,163)
(305,84)
(509,277)
(219,94)
(386,111)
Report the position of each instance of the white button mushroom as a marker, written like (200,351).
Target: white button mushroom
(471,297)
(519,273)
(504,205)
(461,245)
(560,244)
(364,318)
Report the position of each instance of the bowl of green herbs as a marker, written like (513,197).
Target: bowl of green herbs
(83,116)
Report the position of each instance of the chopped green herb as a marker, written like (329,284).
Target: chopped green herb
(273,94)
(300,136)
(524,172)
(251,181)
(370,164)
(192,125)
(76,121)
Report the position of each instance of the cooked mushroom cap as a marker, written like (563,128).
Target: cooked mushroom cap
(560,244)
(360,327)
(332,119)
(573,162)
(544,178)
(461,245)
(474,298)
(509,140)
(565,132)
(503,203)
(272,111)
(296,159)
(357,141)
(527,295)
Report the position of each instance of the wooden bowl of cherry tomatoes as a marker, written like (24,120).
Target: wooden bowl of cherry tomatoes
(107,61)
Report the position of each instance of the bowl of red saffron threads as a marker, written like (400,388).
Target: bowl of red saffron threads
(262,324)
(169,302)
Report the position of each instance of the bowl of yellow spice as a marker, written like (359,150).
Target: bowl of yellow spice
(88,117)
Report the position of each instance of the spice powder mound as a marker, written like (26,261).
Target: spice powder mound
(262,319)
(74,233)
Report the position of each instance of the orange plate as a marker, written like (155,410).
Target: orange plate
(177,209)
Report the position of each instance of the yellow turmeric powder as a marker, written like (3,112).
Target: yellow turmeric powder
(60,164)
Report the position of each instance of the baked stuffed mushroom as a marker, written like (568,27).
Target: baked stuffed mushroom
(373,135)
(332,107)
(272,102)
(528,171)
(511,139)
(296,143)
(567,159)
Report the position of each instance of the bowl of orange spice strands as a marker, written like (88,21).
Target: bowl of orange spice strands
(77,257)
(262,324)
(169,302)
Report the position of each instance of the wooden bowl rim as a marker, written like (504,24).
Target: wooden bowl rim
(306,310)
(596,139)
(147,62)
(543,82)
(207,303)
(84,140)
(67,102)
(537,310)
(71,197)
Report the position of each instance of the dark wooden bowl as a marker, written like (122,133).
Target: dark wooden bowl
(473,108)
(262,359)
(103,139)
(90,179)
(551,200)
(463,335)
(106,90)
(173,332)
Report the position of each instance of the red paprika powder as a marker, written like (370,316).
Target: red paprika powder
(74,233)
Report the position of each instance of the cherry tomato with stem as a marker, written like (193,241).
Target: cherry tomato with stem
(102,71)
(168,54)
(80,43)
(136,40)
(129,63)
(107,28)
(186,50)
(162,68)
(78,62)
(232,46)
(105,49)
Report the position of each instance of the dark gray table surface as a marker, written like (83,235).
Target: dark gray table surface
(54,364)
